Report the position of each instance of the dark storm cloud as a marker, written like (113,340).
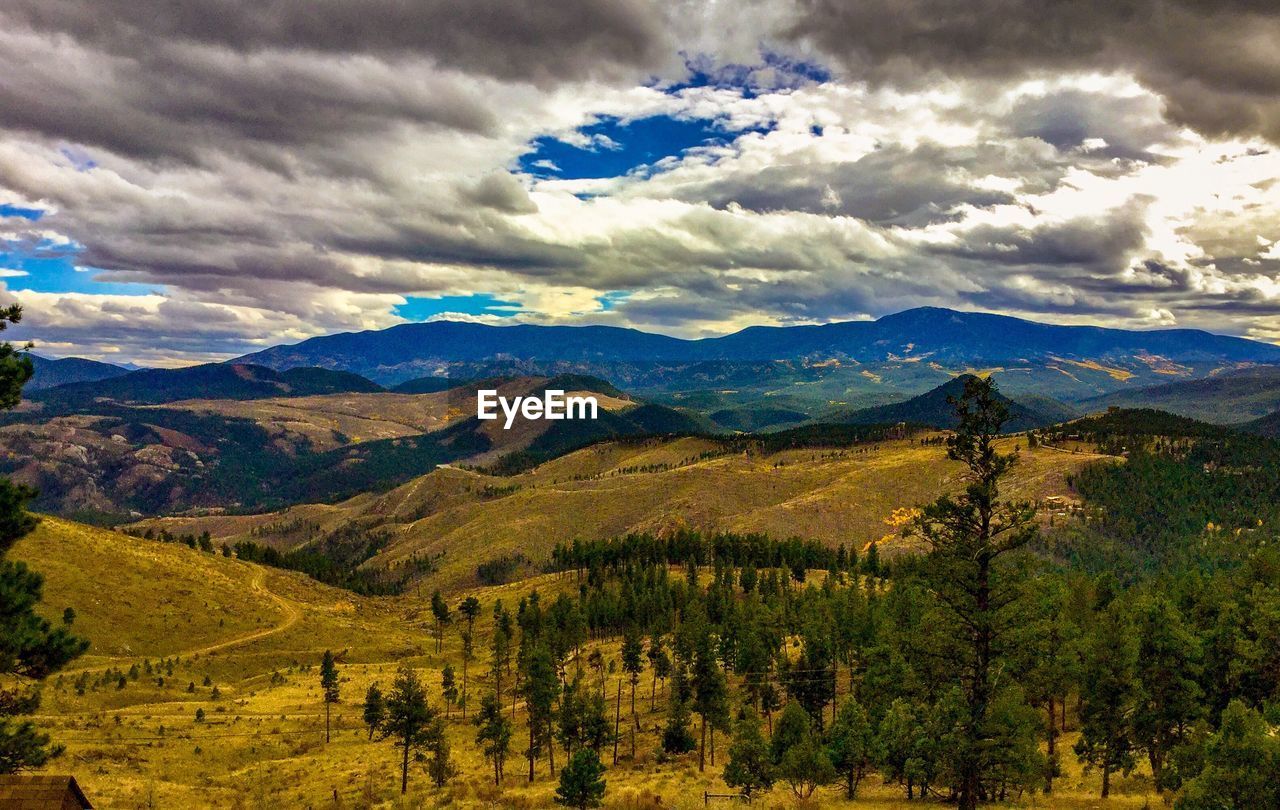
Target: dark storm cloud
(1215,63)
(509,39)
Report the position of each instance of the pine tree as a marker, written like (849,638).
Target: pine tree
(1168,698)
(851,745)
(410,720)
(582,783)
(31,648)
(800,761)
(750,767)
(660,663)
(494,734)
(439,612)
(967,536)
(676,737)
(375,709)
(1240,765)
(440,766)
(469,610)
(448,687)
(540,689)
(329,687)
(1107,693)
(633,665)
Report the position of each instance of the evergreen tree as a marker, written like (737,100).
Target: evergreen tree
(967,536)
(448,687)
(31,647)
(329,687)
(851,745)
(711,696)
(375,709)
(469,610)
(750,767)
(676,737)
(1107,696)
(494,734)
(440,613)
(1168,697)
(1240,766)
(660,663)
(633,665)
(540,688)
(440,765)
(801,762)
(410,720)
(582,783)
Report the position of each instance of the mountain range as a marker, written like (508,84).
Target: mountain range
(792,368)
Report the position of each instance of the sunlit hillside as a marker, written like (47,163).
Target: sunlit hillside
(176,631)
(460,518)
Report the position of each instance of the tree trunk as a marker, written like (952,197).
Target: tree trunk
(713,745)
(702,747)
(617,722)
(1106,780)
(404,769)
(551,748)
(326,721)
(530,746)
(464,687)
(1053,739)
(653,694)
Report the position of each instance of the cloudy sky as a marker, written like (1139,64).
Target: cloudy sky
(185,181)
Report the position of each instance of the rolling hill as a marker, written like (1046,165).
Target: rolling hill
(102,459)
(50,373)
(226,381)
(461,518)
(1234,396)
(933,409)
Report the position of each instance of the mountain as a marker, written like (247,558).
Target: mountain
(932,408)
(1236,395)
(50,372)
(810,369)
(1268,426)
(209,381)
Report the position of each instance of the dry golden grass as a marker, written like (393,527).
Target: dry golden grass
(258,635)
(841,496)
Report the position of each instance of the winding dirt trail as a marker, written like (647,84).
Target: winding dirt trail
(291,615)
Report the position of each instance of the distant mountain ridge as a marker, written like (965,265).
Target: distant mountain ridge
(929,331)
(155,386)
(810,369)
(1231,397)
(51,372)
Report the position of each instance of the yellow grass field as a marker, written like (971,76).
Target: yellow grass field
(257,635)
(462,518)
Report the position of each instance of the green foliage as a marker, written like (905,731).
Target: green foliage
(493,734)
(851,744)
(410,720)
(1240,765)
(31,647)
(374,709)
(582,783)
(750,766)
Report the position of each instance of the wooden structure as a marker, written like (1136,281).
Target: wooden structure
(41,792)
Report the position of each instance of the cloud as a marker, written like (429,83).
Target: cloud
(1214,64)
(268,171)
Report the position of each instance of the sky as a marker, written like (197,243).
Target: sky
(183,182)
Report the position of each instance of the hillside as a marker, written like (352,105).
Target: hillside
(50,373)
(239,381)
(1234,396)
(175,630)
(462,518)
(933,409)
(267,452)
(1268,426)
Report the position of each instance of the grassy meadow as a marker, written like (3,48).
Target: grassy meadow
(175,630)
